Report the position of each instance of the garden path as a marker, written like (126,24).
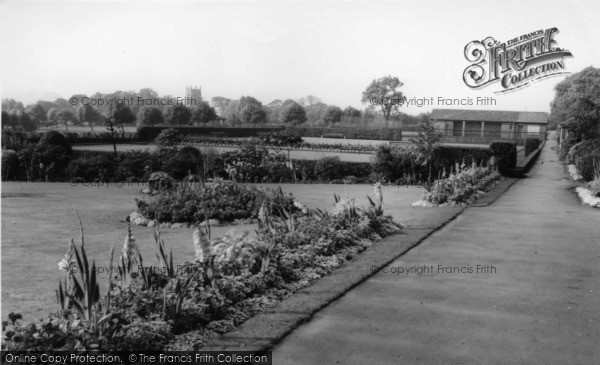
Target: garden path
(533,299)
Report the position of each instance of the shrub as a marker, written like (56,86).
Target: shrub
(403,164)
(581,149)
(565,147)
(393,164)
(531,144)
(54,138)
(505,152)
(246,164)
(221,200)
(589,165)
(329,168)
(168,139)
(10,165)
(462,186)
(52,155)
(594,185)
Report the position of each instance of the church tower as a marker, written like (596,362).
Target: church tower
(193,95)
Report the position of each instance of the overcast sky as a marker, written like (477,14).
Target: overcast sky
(278,50)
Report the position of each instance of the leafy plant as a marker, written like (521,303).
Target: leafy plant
(164,259)
(86,292)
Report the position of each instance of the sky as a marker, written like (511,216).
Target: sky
(279,50)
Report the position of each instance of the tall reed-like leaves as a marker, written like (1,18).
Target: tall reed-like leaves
(165,260)
(67,265)
(86,293)
(128,258)
(377,205)
(205,254)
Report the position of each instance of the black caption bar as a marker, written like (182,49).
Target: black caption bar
(137,357)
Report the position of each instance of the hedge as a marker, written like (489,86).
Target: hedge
(531,144)
(148,133)
(331,168)
(385,134)
(446,156)
(505,152)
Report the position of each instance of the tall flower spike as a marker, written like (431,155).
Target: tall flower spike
(65,263)
(202,245)
(129,247)
(262,213)
(378,193)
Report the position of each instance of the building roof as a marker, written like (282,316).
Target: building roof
(490,116)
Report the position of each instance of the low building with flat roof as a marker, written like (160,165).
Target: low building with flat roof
(483,126)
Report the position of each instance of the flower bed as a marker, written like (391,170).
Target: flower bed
(221,200)
(229,280)
(462,186)
(240,142)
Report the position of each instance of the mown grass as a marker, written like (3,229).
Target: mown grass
(38,220)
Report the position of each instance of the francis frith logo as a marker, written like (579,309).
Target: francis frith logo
(515,63)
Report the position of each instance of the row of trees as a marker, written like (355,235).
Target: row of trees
(43,113)
(245,111)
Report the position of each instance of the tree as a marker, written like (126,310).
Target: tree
(87,113)
(582,85)
(38,113)
(203,113)
(332,115)
(232,113)
(12,120)
(220,104)
(178,115)
(315,112)
(27,122)
(351,112)
(351,115)
(149,115)
(66,116)
(52,115)
(383,92)
(5,118)
(124,115)
(274,110)
(293,113)
(585,124)
(10,105)
(168,139)
(285,140)
(52,154)
(427,140)
(309,101)
(249,100)
(112,127)
(62,104)
(253,114)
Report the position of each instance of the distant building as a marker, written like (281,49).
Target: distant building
(482,126)
(193,95)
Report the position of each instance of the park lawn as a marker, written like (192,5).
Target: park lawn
(38,221)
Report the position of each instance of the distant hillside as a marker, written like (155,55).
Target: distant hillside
(30,96)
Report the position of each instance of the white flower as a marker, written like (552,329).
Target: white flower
(129,247)
(64,265)
(300,206)
(378,193)
(202,245)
